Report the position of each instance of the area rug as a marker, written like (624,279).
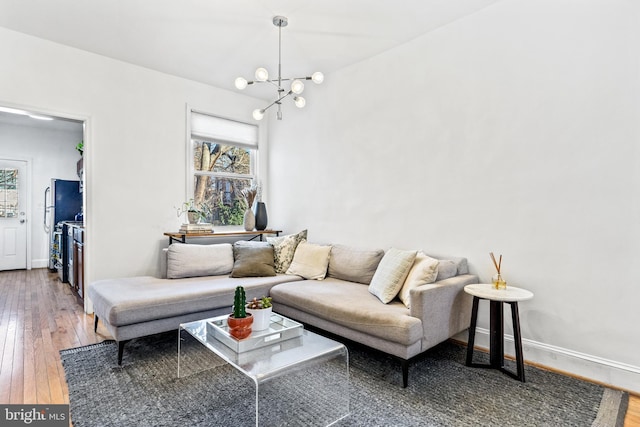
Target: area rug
(145,391)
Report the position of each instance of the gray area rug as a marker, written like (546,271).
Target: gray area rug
(442,392)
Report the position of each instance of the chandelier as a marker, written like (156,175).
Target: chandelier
(262,76)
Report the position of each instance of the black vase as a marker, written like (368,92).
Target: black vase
(261,216)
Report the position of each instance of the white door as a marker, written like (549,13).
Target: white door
(13,214)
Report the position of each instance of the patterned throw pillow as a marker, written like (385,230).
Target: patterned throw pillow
(284,247)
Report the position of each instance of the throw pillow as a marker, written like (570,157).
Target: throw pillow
(391,273)
(423,271)
(310,261)
(252,260)
(198,260)
(284,247)
(353,264)
(446,269)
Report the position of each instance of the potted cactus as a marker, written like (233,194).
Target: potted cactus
(261,311)
(240,321)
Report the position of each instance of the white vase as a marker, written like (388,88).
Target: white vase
(249,220)
(261,318)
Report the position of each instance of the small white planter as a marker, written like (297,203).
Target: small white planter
(261,318)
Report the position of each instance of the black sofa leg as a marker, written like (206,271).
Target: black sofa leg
(95,322)
(120,351)
(405,373)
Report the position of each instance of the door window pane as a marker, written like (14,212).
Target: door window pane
(8,193)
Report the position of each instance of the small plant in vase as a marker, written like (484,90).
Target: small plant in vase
(261,310)
(240,321)
(195,211)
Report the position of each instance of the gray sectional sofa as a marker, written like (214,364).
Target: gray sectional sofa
(330,287)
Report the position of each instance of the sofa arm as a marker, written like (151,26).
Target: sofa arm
(443,307)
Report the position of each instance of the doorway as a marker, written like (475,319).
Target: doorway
(48,145)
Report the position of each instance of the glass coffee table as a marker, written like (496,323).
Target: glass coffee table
(299,376)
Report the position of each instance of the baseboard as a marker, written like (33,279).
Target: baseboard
(604,371)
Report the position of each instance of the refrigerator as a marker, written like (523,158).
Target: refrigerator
(62,201)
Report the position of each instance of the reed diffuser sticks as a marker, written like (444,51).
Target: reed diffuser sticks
(496,264)
(498,281)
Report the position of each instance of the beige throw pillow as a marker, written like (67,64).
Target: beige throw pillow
(424,270)
(310,261)
(391,273)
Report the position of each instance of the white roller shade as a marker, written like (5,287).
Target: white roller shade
(213,128)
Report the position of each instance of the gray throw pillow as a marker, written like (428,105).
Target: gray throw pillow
(252,260)
(446,269)
(354,264)
(198,260)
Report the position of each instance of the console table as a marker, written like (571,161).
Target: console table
(182,237)
(496,298)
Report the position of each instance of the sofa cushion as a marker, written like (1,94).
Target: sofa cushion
(391,273)
(284,247)
(351,305)
(132,300)
(423,271)
(310,261)
(354,264)
(252,259)
(446,269)
(462,266)
(198,260)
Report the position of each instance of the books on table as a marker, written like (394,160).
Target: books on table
(196,228)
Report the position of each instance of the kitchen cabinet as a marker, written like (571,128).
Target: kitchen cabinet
(76,258)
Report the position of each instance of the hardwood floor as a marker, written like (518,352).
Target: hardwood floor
(39,316)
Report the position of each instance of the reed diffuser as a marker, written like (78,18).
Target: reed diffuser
(497,280)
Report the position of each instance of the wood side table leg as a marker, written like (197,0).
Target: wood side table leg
(497,335)
(517,338)
(472,331)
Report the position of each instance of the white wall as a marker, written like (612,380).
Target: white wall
(52,154)
(515,131)
(135,144)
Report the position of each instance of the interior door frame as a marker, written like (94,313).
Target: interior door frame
(27,204)
(87,120)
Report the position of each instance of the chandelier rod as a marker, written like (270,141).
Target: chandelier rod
(280,90)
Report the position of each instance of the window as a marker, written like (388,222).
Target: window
(8,193)
(223,158)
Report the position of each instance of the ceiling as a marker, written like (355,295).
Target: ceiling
(58,124)
(215,41)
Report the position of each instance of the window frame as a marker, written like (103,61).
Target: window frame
(191,173)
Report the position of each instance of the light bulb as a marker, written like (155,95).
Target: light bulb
(297,86)
(258,114)
(241,83)
(317,77)
(299,101)
(262,74)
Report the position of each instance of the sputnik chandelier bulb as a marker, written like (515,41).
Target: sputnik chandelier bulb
(262,76)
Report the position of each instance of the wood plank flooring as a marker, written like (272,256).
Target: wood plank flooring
(39,316)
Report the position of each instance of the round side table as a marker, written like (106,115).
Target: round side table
(497,298)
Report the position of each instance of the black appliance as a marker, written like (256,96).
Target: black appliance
(63,200)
